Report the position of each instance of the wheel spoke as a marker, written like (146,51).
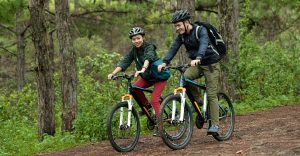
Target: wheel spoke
(123,137)
(175,134)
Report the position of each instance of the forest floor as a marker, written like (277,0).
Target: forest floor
(272,132)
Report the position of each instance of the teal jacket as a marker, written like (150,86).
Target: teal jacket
(146,52)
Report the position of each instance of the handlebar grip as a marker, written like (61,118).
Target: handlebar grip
(114,77)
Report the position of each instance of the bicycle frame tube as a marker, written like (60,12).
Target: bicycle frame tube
(203,87)
(144,109)
(183,91)
(128,98)
(142,89)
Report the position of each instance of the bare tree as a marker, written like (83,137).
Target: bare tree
(107,2)
(20,33)
(76,6)
(229,17)
(68,65)
(44,70)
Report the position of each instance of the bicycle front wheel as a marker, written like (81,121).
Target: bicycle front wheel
(226,118)
(176,134)
(123,136)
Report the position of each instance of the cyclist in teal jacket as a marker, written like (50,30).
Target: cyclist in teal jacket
(143,54)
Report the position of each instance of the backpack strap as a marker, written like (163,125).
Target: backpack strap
(197,37)
(197,28)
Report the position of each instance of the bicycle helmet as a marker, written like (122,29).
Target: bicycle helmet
(136,31)
(180,15)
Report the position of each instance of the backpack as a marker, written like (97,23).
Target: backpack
(163,75)
(214,36)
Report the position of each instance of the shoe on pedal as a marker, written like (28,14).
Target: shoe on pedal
(156,132)
(213,129)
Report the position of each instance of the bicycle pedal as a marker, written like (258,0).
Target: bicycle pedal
(213,133)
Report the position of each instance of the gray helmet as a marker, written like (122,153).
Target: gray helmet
(136,31)
(180,15)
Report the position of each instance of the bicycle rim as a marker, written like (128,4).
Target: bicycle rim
(175,134)
(122,137)
(226,118)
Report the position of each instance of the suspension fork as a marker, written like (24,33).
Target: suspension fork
(126,98)
(205,105)
(182,92)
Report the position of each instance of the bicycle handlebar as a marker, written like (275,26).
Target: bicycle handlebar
(123,76)
(181,67)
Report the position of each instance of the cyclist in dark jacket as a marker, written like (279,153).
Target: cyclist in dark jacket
(204,61)
(143,54)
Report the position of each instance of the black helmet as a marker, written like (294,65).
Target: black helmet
(180,15)
(136,31)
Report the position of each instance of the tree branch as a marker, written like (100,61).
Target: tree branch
(206,6)
(97,11)
(26,28)
(8,51)
(208,10)
(51,13)
(6,27)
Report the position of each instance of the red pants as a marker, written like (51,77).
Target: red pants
(155,95)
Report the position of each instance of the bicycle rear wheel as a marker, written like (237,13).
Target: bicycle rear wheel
(175,134)
(122,137)
(226,118)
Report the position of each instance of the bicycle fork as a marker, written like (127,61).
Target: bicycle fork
(181,91)
(126,98)
(204,105)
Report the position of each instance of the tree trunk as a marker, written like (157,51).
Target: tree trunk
(229,13)
(68,65)
(76,6)
(190,6)
(40,37)
(161,25)
(20,69)
(107,2)
(186,4)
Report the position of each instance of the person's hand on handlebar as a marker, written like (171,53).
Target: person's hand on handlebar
(160,67)
(109,76)
(137,73)
(195,62)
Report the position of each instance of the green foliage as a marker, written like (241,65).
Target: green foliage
(266,103)
(271,71)
(93,107)
(19,105)
(97,62)
(8,9)
(20,138)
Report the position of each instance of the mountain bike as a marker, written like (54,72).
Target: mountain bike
(174,108)
(123,125)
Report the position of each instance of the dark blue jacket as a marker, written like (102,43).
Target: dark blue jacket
(200,48)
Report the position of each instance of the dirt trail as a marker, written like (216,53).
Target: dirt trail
(272,132)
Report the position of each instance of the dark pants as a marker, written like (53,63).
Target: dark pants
(211,75)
